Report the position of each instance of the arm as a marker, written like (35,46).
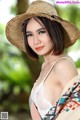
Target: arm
(64,72)
(34,113)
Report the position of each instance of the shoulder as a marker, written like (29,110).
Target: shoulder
(65,69)
(65,62)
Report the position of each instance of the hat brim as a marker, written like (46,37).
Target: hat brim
(15,35)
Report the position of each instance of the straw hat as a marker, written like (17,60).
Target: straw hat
(43,9)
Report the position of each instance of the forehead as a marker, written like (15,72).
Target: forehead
(35,21)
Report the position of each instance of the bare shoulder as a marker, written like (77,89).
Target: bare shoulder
(65,69)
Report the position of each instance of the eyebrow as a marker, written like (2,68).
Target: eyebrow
(41,29)
(36,30)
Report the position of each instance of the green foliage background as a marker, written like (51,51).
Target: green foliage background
(15,73)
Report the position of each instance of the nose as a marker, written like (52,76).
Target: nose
(36,39)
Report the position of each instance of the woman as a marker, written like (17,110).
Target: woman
(56,92)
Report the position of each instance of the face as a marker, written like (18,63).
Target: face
(38,37)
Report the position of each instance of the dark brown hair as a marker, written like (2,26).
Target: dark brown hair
(56,33)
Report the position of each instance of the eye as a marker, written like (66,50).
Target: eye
(42,31)
(29,35)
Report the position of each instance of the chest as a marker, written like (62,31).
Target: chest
(51,86)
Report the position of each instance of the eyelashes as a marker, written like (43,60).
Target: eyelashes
(29,35)
(39,33)
(42,31)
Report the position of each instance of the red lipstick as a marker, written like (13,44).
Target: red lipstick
(39,48)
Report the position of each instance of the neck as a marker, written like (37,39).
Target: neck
(51,57)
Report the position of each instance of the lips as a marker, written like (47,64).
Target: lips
(39,48)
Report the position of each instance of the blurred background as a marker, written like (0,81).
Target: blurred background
(17,71)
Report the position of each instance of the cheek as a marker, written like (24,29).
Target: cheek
(30,44)
(49,42)
(52,44)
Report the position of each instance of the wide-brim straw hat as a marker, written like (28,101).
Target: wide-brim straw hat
(44,9)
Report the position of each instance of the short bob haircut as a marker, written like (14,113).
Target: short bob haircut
(56,33)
